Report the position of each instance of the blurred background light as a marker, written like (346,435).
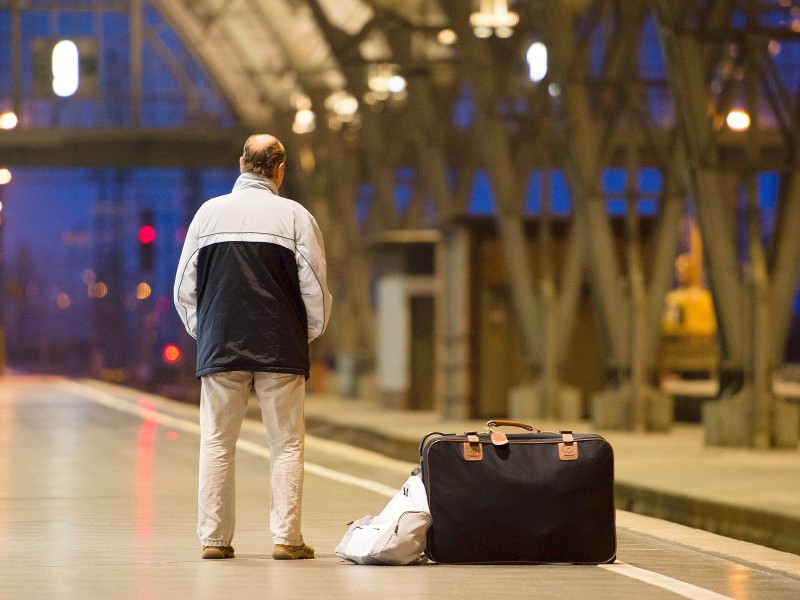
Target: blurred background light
(738,119)
(493,16)
(171,353)
(66,68)
(447,37)
(342,104)
(537,61)
(97,290)
(63,301)
(8,120)
(305,121)
(147,234)
(396,84)
(143,291)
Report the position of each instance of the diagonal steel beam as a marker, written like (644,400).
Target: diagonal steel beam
(663,252)
(582,153)
(786,259)
(687,86)
(491,131)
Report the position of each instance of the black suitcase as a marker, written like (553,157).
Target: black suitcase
(519,498)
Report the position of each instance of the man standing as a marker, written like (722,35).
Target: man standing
(251,288)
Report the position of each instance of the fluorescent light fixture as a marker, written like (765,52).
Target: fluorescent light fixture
(66,68)
(537,61)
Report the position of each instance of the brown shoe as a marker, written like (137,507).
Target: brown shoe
(217,552)
(284,552)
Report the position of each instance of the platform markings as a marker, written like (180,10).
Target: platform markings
(148,411)
(687,590)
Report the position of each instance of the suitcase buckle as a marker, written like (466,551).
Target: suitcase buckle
(568,449)
(473,450)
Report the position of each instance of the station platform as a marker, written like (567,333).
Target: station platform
(98,487)
(747,494)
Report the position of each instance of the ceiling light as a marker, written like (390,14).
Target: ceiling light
(305,121)
(66,68)
(384,80)
(396,84)
(738,119)
(537,61)
(493,15)
(447,37)
(8,120)
(342,104)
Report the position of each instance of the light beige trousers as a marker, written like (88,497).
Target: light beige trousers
(223,403)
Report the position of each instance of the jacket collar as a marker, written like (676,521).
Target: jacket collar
(251,180)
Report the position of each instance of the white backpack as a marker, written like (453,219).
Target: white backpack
(394,537)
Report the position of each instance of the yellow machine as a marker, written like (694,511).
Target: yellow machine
(688,311)
(688,323)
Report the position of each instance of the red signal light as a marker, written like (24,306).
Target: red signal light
(171,353)
(147,234)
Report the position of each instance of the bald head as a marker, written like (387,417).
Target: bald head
(263,155)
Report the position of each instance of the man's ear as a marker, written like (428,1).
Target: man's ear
(241,164)
(277,174)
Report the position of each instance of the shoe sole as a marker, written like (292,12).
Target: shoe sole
(286,555)
(216,554)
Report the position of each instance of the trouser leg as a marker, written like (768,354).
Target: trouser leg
(223,403)
(282,398)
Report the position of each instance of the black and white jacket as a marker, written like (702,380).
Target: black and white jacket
(251,283)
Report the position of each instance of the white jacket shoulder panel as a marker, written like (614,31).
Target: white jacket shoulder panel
(313,275)
(185,290)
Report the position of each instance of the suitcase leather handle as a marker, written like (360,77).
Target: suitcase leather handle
(506,423)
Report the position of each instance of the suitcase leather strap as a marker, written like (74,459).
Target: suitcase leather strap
(568,447)
(473,450)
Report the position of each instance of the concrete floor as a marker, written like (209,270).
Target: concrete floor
(97,500)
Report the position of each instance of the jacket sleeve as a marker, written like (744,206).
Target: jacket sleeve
(185,290)
(312,272)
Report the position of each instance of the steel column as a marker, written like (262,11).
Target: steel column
(786,255)
(687,86)
(16,58)
(582,153)
(136,32)
(662,255)
(492,136)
